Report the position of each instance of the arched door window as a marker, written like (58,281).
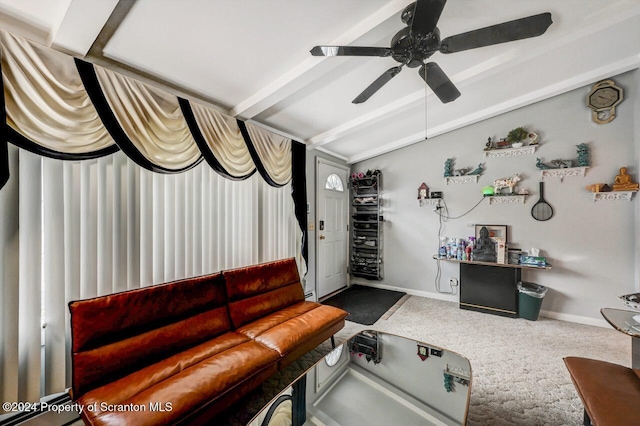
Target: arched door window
(334,183)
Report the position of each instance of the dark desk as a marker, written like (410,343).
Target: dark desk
(490,287)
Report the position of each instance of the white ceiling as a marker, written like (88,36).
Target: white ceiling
(250,59)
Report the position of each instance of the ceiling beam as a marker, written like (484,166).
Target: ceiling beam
(366,120)
(95,55)
(110,27)
(567,85)
(299,76)
(82,25)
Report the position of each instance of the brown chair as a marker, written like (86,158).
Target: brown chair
(610,392)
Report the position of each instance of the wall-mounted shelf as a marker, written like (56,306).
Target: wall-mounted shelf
(507,199)
(613,195)
(429,201)
(510,152)
(502,265)
(562,173)
(462,179)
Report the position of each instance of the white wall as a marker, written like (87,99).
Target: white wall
(591,245)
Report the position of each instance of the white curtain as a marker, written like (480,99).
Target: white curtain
(45,99)
(151,118)
(72,230)
(274,152)
(224,139)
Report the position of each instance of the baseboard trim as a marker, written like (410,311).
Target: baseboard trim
(578,319)
(413,292)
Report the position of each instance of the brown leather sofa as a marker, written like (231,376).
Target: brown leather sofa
(182,352)
(610,393)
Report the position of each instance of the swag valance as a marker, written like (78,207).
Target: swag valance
(66,108)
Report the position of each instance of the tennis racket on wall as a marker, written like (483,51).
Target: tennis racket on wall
(542,210)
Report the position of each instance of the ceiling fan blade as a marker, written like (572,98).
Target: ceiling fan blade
(350,51)
(425,17)
(376,85)
(531,26)
(444,89)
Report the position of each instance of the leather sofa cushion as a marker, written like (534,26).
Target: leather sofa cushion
(290,327)
(96,367)
(115,335)
(256,291)
(107,318)
(610,392)
(188,381)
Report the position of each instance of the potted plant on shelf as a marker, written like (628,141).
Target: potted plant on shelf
(516,136)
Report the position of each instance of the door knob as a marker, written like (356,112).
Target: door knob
(322,237)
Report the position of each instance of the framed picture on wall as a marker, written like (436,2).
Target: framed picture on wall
(495,231)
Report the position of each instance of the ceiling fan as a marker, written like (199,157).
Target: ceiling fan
(420,39)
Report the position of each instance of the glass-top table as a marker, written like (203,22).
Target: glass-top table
(376,378)
(627,322)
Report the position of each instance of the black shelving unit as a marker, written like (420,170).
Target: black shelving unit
(366,227)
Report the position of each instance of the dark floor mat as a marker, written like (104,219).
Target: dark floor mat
(365,304)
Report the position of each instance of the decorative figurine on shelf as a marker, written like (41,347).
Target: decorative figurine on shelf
(599,187)
(523,191)
(489,145)
(461,172)
(448,167)
(516,136)
(510,182)
(562,164)
(423,192)
(532,138)
(485,249)
(541,165)
(503,143)
(477,171)
(623,182)
(583,155)
(448,382)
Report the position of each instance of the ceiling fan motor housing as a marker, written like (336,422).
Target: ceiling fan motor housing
(412,51)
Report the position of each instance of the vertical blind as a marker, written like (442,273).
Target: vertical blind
(79,229)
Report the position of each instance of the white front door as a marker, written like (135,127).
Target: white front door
(332,222)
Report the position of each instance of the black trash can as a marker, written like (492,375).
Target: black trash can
(530,297)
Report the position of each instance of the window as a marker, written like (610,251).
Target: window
(334,183)
(101,226)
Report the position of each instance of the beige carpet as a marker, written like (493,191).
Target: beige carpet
(519,377)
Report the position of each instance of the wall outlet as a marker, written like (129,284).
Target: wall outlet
(453,282)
